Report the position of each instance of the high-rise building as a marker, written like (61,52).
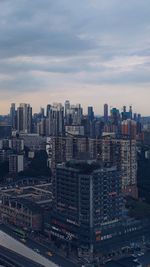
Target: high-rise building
(47,110)
(87,205)
(67,106)
(123,154)
(42,112)
(56,120)
(130,112)
(115,116)
(24,118)
(74,130)
(90,113)
(41,127)
(64,148)
(13,116)
(105,113)
(127,114)
(129,128)
(16,144)
(16,163)
(74,115)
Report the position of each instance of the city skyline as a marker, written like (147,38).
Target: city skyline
(93,52)
(101,111)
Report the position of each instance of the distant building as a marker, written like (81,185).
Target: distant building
(24,118)
(74,129)
(16,144)
(16,163)
(41,127)
(55,120)
(74,114)
(34,141)
(5,130)
(105,113)
(13,116)
(129,128)
(90,113)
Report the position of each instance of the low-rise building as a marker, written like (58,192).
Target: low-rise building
(24,207)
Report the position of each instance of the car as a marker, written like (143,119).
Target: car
(36,250)
(23,240)
(49,253)
(139,254)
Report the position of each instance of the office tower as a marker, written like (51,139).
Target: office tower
(130,112)
(13,116)
(24,118)
(105,113)
(47,110)
(139,117)
(135,117)
(125,114)
(67,106)
(124,108)
(56,120)
(90,113)
(115,116)
(41,127)
(98,128)
(20,119)
(16,163)
(42,112)
(74,115)
(139,124)
(87,206)
(129,128)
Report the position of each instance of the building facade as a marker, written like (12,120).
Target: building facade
(87,201)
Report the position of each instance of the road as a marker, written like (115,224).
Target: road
(55,258)
(16,258)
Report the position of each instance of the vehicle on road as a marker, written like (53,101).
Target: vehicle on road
(36,250)
(19,232)
(23,240)
(49,253)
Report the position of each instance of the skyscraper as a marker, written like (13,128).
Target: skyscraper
(56,120)
(13,116)
(67,106)
(24,118)
(90,113)
(129,128)
(105,113)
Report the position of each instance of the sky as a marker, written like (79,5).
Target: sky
(88,51)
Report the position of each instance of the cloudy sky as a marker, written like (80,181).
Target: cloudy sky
(88,51)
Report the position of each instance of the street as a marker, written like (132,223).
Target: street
(42,249)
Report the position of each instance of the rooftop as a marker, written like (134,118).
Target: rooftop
(87,167)
(34,194)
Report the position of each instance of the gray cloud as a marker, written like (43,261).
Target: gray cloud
(46,43)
